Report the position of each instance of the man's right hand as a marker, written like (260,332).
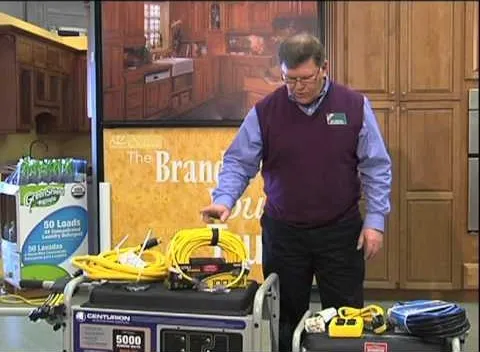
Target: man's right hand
(215,211)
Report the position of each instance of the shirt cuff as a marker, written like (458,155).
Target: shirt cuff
(374,221)
(226,200)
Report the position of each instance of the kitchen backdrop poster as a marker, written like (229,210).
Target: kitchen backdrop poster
(195,60)
(161,178)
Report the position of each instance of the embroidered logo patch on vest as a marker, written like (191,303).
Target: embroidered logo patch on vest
(336,118)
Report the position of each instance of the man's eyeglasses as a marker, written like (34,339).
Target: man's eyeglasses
(304,80)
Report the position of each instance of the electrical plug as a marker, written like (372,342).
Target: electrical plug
(319,320)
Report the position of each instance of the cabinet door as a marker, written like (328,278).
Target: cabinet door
(431,50)
(157,97)
(134,23)
(237,16)
(307,8)
(366,57)
(240,71)
(216,15)
(199,20)
(25,95)
(471,39)
(181,11)
(226,75)
(112,65)
(382,270)
(200,80)
(284,8)
(112,20)
(151,99)
(134,101)
(10,93)
(24,50)
(67,122)
(164,94)
(114,104)
(432,179)
(260,16)
(81,118)
(47,88)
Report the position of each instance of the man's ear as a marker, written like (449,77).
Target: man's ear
(325,68)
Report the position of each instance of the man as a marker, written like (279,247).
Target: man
(319,144)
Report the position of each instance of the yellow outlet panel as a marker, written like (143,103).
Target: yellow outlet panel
(349,327)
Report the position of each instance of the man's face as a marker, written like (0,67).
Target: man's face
(304,82)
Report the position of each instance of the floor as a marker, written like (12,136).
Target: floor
(19,334)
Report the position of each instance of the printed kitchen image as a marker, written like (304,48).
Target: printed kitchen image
(192,60)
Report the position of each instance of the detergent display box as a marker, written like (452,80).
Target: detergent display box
(50,223)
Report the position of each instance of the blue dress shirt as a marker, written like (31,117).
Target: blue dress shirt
(242,162)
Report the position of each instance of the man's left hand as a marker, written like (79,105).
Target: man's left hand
(371,240)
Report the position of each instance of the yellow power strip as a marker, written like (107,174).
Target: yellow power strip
(341,327)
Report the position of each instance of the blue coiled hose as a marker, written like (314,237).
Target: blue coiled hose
(429,318)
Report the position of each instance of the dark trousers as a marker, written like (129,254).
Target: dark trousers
(297,254)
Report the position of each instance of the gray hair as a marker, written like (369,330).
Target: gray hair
(299,48)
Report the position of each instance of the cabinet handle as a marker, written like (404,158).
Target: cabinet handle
(403,108)
(392,108)
(392,92)
(404,93)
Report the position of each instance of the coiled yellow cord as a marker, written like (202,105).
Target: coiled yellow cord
(17,299)
(107,265)
(367,313)
(186,242)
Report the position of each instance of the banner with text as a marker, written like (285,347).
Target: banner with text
(162,177)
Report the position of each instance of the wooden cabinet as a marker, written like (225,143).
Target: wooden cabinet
(428,38)
(431,169)
(284,8)
(113,20)
(181,11)
(367,60)
(157,97)
(205,78)
(133,27)
(294,8)
(24,101)
(431,50)
(237,13)
(38,80)
(134,101)
(199,20)
(307,8)
(226,75)
(47,88)
(382,271)
(113,86)
(407,58)
(80,108)
(260,16)
(471,40)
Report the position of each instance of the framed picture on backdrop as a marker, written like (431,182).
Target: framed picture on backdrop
(194,63)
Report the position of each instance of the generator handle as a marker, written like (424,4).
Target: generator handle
(297,334)
(68,293)
(270,289)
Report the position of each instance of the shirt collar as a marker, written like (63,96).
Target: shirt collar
(312,107)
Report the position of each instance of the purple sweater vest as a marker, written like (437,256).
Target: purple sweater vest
(310,166)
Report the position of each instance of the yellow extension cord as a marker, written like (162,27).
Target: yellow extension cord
(366,313)
(17,299)
(107,265)
(186,242)
(372,315)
